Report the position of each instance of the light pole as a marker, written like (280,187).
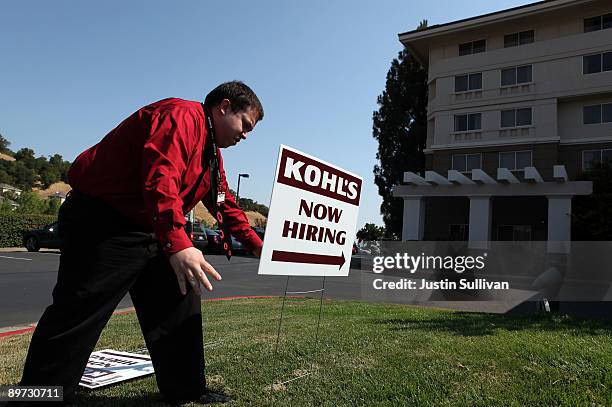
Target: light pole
(238,190)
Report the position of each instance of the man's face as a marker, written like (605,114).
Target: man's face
(230,126)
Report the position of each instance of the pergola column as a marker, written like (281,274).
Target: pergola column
(480,222)
(559,223)
(414,218)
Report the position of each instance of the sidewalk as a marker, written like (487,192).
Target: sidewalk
(22,249)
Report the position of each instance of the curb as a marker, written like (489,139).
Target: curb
(248,297)
(18,330)
(24,250)
(12,249)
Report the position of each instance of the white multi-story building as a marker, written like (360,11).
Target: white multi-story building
(520,103)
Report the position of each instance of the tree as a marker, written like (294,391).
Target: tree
(27,170)
(5,205)
(29,202)
(4,144)
(52,206)
(56,161)
(47,172)
(400,127)
(48,176)
(592,214)
(5,178)
(26,156)
(371,232)
(23,177)
(247,204)
(60,166)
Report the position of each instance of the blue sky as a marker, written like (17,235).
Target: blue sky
(72,70)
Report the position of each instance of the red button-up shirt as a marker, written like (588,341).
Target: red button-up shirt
(146,167)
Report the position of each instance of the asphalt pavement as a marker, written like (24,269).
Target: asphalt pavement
(27,281)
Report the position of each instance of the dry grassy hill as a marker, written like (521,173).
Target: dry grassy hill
(201,213)
(6,157)
(256,219)
(61,187)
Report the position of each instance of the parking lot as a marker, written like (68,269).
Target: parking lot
(27,280)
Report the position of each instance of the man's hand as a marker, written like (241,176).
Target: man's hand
(190,267)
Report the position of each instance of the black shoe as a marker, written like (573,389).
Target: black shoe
(213,397)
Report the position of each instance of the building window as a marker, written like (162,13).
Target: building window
(521,38)
(466,162)
(597,63)
(468,122)
(516,117)
(472,81)
(515,160)
(598,23)
(514,233)
(591,158)
(596,114)
(459,232)
(472,47)
(516,75)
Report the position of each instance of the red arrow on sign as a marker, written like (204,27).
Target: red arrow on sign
(295,257)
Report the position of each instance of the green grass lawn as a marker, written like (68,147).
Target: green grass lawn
(375,354)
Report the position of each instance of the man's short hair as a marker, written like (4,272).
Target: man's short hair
(240,96)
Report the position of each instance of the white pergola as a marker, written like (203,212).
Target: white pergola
(479,189)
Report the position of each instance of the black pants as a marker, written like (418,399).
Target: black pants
(103,257)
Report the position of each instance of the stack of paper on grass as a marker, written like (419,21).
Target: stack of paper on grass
(110,366)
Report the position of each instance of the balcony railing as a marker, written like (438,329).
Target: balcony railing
(520,89)
(522,131)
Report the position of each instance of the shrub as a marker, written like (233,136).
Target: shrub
(12,226)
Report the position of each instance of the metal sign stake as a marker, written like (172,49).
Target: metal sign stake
(316,340)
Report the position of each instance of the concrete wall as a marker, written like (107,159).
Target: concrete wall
(556,58)
(571,156)
(543,127)
(571,123)
(544,157)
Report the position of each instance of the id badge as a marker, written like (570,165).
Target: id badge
(221,198)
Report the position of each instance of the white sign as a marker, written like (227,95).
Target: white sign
(109,366)
(312,218)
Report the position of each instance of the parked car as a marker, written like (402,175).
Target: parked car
(260,231)
(215,245)
(238,248)
(197,234)
(45,237)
